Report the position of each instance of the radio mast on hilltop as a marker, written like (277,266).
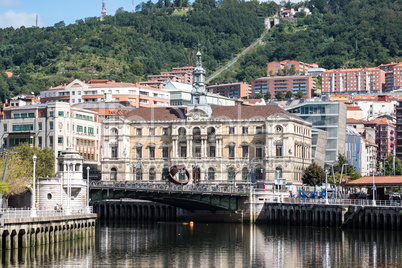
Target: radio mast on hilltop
(132,6)
(103,13)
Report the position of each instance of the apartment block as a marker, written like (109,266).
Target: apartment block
(398,143)
(55,125)
(393,76)
(353,81)
(301,68)
(231,90)
(284,83)
(178,74)
(105,90)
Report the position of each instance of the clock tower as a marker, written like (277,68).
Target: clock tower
(199,106)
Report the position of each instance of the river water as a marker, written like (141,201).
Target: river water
(155,245)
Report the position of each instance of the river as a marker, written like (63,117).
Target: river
(155,245)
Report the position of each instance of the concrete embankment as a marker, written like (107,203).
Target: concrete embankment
(33,231)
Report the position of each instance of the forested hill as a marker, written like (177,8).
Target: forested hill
(339,34)
(124,47)
(129,46)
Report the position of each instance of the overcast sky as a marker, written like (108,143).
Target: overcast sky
(17,13)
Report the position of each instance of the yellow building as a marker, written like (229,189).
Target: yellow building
(216,144)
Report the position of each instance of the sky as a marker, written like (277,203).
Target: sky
(17,13)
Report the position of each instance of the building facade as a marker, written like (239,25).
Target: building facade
(284,84)
(222,144)
(231,90)
(393,76)
(353,148)
(385,137)
(329,117)
(300,67)
(353,81)
(54,125)
(105,90)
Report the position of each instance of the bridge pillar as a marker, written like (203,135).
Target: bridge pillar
(398,222)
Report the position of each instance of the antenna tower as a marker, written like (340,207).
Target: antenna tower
(103,13)
(132,6)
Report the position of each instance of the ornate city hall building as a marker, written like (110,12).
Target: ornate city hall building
(216,144)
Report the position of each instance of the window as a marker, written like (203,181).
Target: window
(245,130)
(90,130)
(231,151)
(79,128)
(165,174)
(60,140)
(138,152)
(5,142)
(61,113)
(113,174)
(24,115)
(198,151)
(51,140)
(259,172)
(17,116)
(231,130)
(211,174)
(258,130)
(183,151)
(85,129)
(50,114)
(165,131)
(78,142)
(114,151)
(138,174)
(40,126)
(152,174)
(151,131)
(151,152)
(231,173)
(50,125)
(42,114)
(245,151)
(212,151)
(165,152)
(31,115)
(5,127)
(40,141)
(278,173)
(258,152)
(244,174)
(279,150)
(22,127)
(139,131)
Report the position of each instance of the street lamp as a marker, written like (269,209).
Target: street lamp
(33,206)
(326,186)
(374,188)
(88,208)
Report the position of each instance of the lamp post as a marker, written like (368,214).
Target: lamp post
(326,186)
(88,208)
(33,207)
(374,188)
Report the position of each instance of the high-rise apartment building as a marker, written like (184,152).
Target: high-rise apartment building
(231,90)
(284,84)
(393,76)
(300,67)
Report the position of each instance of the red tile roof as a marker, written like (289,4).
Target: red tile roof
(218,112)
(378,180)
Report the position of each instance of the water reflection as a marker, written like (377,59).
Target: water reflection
(216,245)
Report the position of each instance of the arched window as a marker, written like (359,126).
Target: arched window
(231,173)
(138,174)
(211,174)
(244,174)
(113,174)
(259,173)
(278,173)
(165,174)
(182,174)
(152,174)
(114,131)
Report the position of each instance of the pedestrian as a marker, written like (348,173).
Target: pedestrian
(56,207)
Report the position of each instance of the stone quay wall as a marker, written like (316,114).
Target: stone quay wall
(31,232)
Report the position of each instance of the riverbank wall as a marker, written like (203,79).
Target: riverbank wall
(27,232)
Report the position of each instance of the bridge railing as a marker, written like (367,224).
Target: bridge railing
(345,202)
(231,188)
(10,213)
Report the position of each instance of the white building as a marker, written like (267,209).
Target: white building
(55,125)
(373,109)
(105,90)
(368,157)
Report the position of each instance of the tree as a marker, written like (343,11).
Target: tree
(279,95)
(388,168)
(289,95)
(299,94)
(60,24)
(313,175)
(258,96)
(348,170)
(267,96)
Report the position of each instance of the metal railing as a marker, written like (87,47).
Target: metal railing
(229,188)
(345,202)
(10,213)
